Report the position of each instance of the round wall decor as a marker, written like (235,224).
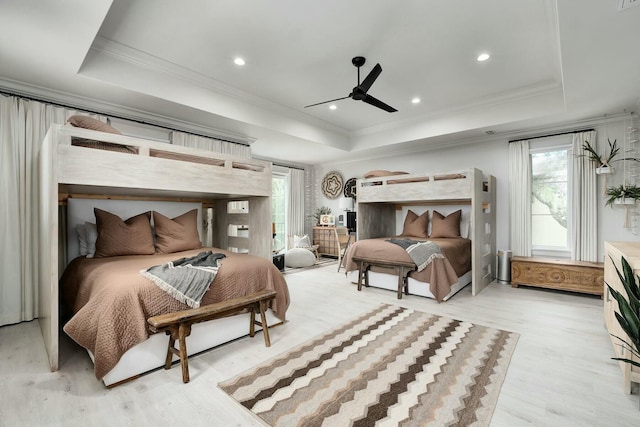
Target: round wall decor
(332,185)
(350,188)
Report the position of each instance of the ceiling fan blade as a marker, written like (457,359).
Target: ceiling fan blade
(326,102)
(371,77)
(377,103)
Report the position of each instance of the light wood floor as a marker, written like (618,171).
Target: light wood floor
(561,373)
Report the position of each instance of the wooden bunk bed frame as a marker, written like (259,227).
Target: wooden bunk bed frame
(75,162)
(378,199)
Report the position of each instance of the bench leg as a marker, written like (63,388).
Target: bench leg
(366,275)
(260,306)
(252,321)
(265,327)
(170,351)
(183,332)
(400,282)
(360,275)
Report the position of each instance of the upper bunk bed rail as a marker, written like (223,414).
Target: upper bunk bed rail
(438,186)
(110,161)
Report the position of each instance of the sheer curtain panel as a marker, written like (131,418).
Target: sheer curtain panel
(23,125)
(210,144)
(584,218)
(295,205)
(520,197)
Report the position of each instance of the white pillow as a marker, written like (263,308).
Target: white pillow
(301,241)
(88,234)
(465,224)
(299,257)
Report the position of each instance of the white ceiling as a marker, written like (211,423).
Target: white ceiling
(552,62)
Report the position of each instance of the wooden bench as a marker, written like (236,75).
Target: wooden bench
(402,268)
(178,324)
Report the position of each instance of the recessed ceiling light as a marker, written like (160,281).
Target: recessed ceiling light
(332,107)
(238,61)
(483,57)
(415,101)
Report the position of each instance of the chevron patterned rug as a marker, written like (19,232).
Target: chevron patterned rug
(391,366)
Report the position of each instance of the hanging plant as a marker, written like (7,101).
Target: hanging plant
(603,164)
(623,194)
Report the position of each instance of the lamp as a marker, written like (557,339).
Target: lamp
(346,204)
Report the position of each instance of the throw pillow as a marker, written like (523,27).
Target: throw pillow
(301,241)
(380,172)
(87,122)
(414,225)
(117,237)
(177,234)
(448,226)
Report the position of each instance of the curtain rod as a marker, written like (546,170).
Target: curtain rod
(552,134)
(142,122)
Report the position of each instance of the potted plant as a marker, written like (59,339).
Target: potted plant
(629,315)
(322,210)
(603,163)
(623,194)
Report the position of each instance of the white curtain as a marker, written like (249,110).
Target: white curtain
(584,219)
(195,141)
(23,125)
(520,197)
(295,204)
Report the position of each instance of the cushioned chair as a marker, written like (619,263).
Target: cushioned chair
(299,257)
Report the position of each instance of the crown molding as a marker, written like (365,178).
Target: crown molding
(530,132)
(118,111)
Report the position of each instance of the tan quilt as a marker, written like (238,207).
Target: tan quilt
(441,273)
(111,301)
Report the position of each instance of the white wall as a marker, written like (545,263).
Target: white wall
(492,158)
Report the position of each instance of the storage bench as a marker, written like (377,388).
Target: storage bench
(562,274)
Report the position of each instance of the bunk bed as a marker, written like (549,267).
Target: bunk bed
(76,163)
(380,198)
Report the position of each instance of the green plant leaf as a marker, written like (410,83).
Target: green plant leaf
(633,362)
(629,346)
(628,316)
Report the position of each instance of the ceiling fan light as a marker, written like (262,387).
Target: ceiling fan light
(238,61)
(483,57)
(333,107)
(415,100)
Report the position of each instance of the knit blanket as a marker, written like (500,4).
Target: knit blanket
(421,253)
(186,279)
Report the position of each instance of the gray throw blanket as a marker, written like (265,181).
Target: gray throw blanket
(186,279)
(421,253)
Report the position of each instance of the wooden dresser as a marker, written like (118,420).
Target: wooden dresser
(614,251)
(325,238)
(561,274)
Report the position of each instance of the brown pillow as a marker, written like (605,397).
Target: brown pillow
(87,122)
(177,234)
(381,172)
(446,227)
(117,237)
(414,225)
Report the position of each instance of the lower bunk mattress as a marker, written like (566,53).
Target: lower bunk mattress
(440,279)
(110,301)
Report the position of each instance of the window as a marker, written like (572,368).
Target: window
(279,193)
(550,200)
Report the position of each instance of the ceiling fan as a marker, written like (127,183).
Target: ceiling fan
(359,93)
